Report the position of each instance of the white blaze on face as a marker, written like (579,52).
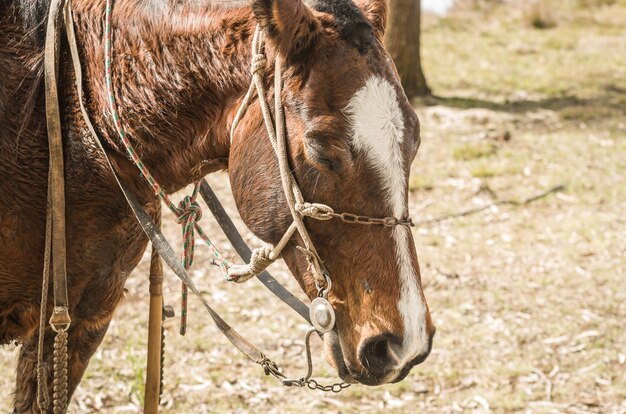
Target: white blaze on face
(378,132)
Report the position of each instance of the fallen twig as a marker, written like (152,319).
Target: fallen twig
(475,210)
(547,381)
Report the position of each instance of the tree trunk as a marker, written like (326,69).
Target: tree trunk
(402,39)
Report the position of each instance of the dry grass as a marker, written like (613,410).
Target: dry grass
(529,301)
(540,14)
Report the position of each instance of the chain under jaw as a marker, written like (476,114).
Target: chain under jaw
(271,368)
(322,317)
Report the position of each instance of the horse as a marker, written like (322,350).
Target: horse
(179,72)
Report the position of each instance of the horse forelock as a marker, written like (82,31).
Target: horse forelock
(348,17)
(344,11)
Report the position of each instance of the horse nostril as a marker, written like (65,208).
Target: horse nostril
(375,354)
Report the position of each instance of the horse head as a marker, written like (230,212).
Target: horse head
(351,138)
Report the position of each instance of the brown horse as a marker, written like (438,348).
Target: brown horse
(180,69)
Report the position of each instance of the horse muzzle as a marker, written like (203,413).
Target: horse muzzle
(377,364)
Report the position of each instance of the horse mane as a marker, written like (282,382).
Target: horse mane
(31,15)
(34,14)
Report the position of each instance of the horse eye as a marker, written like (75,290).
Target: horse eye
(326,163)
(317,155)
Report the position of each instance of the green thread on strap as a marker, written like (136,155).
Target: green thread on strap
(188,212)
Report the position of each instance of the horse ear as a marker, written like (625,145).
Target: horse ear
(290,25)
(376,12)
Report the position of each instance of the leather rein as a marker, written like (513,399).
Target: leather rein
(320,315)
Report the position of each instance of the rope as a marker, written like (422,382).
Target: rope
(316,211)
(43,394)
(276,131)
(260,259)
(188,212)
(59,386)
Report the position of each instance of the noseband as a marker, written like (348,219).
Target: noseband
(322,314)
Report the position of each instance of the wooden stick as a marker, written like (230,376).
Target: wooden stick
(153,370)
(475,210)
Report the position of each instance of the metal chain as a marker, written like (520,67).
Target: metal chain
(320,211)
(271,368)
(336,388)
(372,221)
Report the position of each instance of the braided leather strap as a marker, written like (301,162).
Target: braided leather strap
(59,387)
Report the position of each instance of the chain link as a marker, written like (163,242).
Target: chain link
(336,388)
(323,212)
(270,368)
(371,221)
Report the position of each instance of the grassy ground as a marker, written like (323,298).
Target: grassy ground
(529,301)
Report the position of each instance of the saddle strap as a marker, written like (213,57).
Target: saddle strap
(56,180)
(55,244)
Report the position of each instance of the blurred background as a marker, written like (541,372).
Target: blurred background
(519,191)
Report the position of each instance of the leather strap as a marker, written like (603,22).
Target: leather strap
(233,235)
(56,180)
(145,221)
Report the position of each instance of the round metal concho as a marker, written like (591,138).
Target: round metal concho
(322,315)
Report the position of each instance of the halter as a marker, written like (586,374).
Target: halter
(322,314)
(264,256)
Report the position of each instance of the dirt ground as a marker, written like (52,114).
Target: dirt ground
(528,298)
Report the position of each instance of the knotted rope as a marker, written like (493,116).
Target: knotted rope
(264,256)
(260,259)
(43,398)
(316,211)
(267,254)
(188,215)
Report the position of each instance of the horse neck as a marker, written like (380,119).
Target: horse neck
(178,73)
